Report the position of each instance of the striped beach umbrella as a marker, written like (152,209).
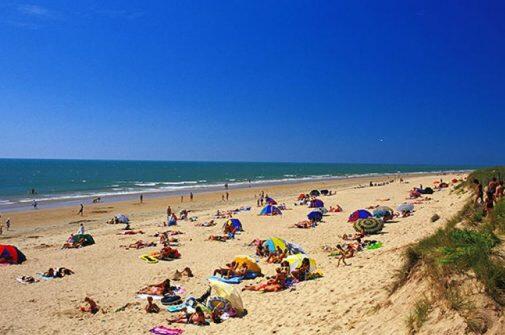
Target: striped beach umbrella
(369,225)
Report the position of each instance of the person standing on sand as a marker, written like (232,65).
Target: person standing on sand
(191,196)
(222,197)
(81,230)
(34,204)
(227,196)
(182,198)
(141,198)
(479,191)
(81,210)
(226,186)
(8,223)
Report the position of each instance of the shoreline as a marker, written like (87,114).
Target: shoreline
(112,198)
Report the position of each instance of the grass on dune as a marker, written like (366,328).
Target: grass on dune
(454,250)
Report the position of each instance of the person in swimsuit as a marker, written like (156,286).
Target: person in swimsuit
(158,289)
(151,306)
(275,284)
(302,271)
(344,254)
(479,192)
(92,308)
(196,318)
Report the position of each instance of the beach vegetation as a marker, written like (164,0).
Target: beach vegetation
(419,315)
(466,247)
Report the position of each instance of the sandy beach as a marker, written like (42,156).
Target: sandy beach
(346,300)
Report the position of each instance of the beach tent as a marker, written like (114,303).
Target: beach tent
(235,223)
(359,214)
(294,248)
(369,225)
(270,210)
(121,218)
(405,207)
(272,243)
(316,203)
(296,260)
(251,263)
(10,254)
(229,293)
(315,193)
(88,239)
(315,216)
(270,201)
(383,211)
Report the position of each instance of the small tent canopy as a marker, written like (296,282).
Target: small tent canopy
(86,238)
(315,193)
(383,211)
(405,207)
(10,254)
(121,218)
(296,260)
(229,293)
(250,262)
(315,216)
(273,243)
(271,201)
(235,223)
(270,210)
(316,203)
(359,214)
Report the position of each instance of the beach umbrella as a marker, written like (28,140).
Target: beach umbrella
(85,238)
(315,193)
(11,255)
(315,216)
(273,243)
(382,211)
(250,262)
(235,223)
(270,210)
(405,207)
(359,214)
(316,203)
(229,293)
(369,225)
(296,260)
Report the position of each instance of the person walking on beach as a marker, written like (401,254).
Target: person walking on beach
(141,198)
(479,191)
(222,197)
(81,210)
(191,196)
(182,198)
(226,186)
(34,204)
(81,230)
(227,196)
(169,211)
(8,223)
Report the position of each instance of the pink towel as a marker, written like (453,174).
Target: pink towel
(162,330)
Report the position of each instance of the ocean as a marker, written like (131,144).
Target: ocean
(58,182)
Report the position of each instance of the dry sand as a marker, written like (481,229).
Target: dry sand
(342,302)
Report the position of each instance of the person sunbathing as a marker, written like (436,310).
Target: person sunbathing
(158,289)
(301,273)
(218,238)
(277,256)
(261,250)
(139,245)
(227,271)
(92,306)
(304,224)
(206,224)
(151,306)
(62,272)
(168,254)
(336,209)
(196,318)
(356,236)
(275,284)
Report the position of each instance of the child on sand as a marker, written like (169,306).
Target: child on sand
(92,308)
(151,306)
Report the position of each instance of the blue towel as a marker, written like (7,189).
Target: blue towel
(233,280)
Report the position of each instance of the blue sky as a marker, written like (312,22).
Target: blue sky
(335,81)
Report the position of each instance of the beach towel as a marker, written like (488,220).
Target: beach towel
(375,245)
(232,280)
(145,296)
(162,330)
(41,276)
(149,259)
(176,308)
